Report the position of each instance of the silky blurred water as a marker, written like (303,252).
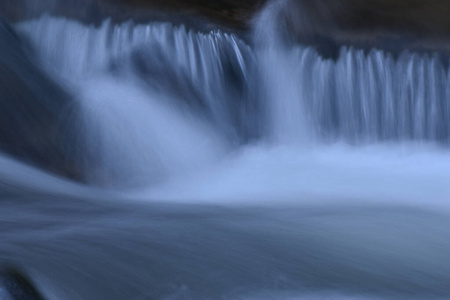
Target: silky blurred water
(219,168)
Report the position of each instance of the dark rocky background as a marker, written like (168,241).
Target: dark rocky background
(234,14)
(419,16)
(390,24)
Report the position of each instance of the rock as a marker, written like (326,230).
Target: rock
(233,14)
(32,110)
(14,285)
(392,25)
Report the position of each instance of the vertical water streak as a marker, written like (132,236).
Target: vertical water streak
(281,77)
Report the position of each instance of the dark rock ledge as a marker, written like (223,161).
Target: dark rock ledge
(394,25)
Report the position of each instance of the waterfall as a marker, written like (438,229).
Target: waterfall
(360,97)
(215,91)
(155,79)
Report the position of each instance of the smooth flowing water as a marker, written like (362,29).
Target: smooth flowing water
(224,168)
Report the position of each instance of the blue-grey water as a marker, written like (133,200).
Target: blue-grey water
(218,167)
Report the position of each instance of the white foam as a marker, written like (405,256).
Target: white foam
(397,175)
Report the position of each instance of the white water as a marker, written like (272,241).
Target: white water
(340,174)
(137,136)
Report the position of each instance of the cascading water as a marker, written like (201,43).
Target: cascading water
(163,90)
(328,177)
(274,90)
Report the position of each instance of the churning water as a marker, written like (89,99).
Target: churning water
(223,168)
